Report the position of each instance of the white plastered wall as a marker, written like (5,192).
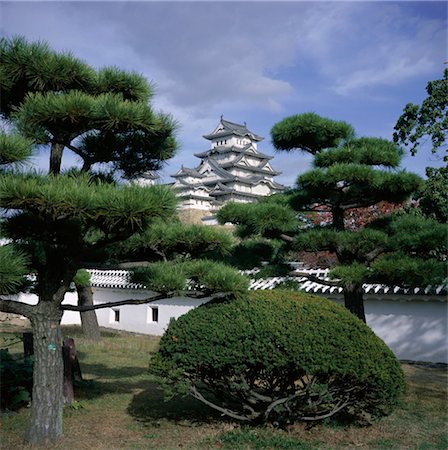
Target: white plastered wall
(415,330)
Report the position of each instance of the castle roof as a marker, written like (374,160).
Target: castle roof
(150,175)
(233,149)
(226,128)
(186,172)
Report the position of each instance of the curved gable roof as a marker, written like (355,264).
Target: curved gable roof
(226,128)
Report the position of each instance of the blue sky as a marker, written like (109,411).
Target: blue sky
(255,61)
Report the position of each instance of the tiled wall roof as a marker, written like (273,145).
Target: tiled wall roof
(120,279)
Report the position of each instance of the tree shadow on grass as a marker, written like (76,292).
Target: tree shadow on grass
(149,406)
(106,371)
(91,389)
(100,380)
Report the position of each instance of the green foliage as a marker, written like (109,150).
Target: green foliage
(13,268)
(207,276)
(430,119)
(414,235)
(434,196)
(161,277)
(404,270)
(353,274)
(14,148)
(133,152)
(132,86)
(347,175)
(252,252)
(16,381)
(349,245)
(309,132)
(260,439)
(64,117)
(64,197)
(103,117)
(288,285)
(280,356)
(368,151)
(32,67)
(216,277)
(350,185)
(82,278)
(175,239)
(264,219)
(277,269)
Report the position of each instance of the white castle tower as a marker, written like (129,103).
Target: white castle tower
(231,170)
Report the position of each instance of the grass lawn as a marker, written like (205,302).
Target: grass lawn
(122,408)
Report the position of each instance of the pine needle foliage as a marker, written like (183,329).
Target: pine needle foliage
(349,173)
(65,221)
(258,219)
(97,204)
(131,85)
(173,240)
(58,100)
(33,67)
(82,278)
(207,276)
(13,268)
(309,132)
(368,151)
(14,149)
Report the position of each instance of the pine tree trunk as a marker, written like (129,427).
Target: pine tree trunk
(56,158)
(47,400)
(338,218)
(89,321)
(354,301)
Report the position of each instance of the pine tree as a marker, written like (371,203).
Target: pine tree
(62,221)
(14,150)
(350,173)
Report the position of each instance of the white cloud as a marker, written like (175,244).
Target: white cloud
(253,61)
(361,46)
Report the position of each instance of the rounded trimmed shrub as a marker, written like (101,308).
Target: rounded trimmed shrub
(280,356)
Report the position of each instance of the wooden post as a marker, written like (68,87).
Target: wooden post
(71,369)
(69,393)
(74,362)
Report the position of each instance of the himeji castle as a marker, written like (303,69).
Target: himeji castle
(231,170)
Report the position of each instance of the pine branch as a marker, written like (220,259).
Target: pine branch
(335,410)
(102,243)
(74,149)
(281,401)
(286,238)
(14,307)
(369,257)
(69,274)
(316,279)
(142,301)
(196,394)
(129,301)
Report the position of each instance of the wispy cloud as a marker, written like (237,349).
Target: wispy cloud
(360,46)
(253,61)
